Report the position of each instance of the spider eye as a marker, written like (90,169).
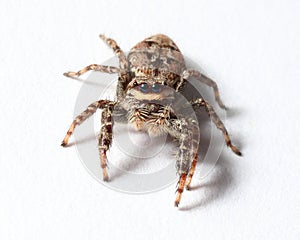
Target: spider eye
(144,88)
(156,88)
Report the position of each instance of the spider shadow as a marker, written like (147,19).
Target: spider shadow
(89,138)
(233,112)
(219,183)
(134,164)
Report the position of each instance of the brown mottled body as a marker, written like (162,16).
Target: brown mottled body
(158,53)
(147,79)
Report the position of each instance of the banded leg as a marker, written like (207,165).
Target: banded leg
(191,172)
(91,109)
(105,139)
(217,121)
(94,67)
(117,50)
(180,188)
(204,79)
(188,135)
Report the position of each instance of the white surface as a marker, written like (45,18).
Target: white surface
(250,47)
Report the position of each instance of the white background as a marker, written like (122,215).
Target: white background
(250,47)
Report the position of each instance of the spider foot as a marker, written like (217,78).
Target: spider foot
(236,150)
(106,178)
(70,74)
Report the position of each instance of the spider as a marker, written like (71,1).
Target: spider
(146,76)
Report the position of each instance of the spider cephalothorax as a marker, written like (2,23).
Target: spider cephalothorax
(149,79)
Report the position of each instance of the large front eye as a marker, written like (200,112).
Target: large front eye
(156,88)
(144,88)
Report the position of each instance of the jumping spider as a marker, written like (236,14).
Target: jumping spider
(151,69)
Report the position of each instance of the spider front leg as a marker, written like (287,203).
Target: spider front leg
(204,79)
(180,187)
(184,167)
(191,173)
(105,138)
(187,133)
(91,109)
(217,121)
(93,67)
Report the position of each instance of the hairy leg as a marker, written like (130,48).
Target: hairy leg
(191,172)
(105,139)
(187,133)
(180,188)
(217,121)
(91,109)
(117,50)
(204,79)
(94,67)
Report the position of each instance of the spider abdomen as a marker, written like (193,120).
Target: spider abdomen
(157,56)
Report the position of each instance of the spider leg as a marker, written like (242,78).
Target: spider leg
(117,50)
(180,188)
(94,67)
(91,109)
(105,138)
(204,79)
(191,172)
(187,133)
(183,164)
(217,121)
